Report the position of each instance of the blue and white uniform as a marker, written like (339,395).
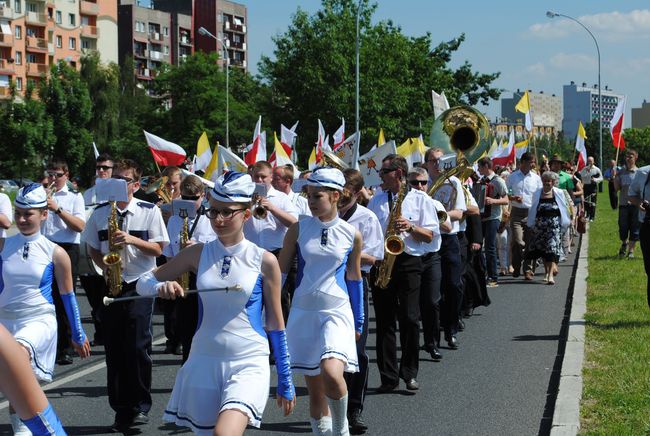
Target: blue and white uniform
(26,307)
(321,323)
(228,365)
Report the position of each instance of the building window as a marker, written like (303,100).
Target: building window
(73,19)
(19,83)
(85,44)
(58,17)
(59,41)
(31,7)
(18,32)
(72,43)
(165,31)
(166,49)
(31,58)
(139,26)
(31,32)
(18,7)
(19,58)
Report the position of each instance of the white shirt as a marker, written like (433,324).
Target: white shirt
(143,220)
(269,233)
(5,209)
(524,185)
(418,208)
(462,224)
(588,172)
(54,228)
(561,201)
(640,188)
(452,197)
(203,232)
(300,203)
(437,240)
(368,225)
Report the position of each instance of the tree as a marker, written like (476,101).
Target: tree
(639,140)
(313,75)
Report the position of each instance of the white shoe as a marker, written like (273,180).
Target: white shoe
(20,429)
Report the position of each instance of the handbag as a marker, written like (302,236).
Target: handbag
(581,225)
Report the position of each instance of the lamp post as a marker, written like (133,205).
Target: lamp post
(205,32)
(356,106)
(551,14)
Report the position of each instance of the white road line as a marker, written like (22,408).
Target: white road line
(77,375)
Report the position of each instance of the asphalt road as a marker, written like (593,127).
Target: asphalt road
(502,380)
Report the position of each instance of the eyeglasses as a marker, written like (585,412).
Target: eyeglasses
(103,167)
(190,197)
(224,214)
(418,182)
(54,174)
(434,162)
(387,170)
(128,180)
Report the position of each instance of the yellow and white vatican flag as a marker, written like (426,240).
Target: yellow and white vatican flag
(348,151)
(412,150)
(440,103)
(370,163)
(521,148)
(311,164)
(229,161)
(203,153)
(524,107)
(381,140)
(281,156)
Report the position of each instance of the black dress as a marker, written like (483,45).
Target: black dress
(547,237)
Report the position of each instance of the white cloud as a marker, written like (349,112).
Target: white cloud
(610,26)
(538,69)
(575,61)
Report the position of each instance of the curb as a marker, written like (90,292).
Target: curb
(566,415)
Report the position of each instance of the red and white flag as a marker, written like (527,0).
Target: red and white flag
(505,155)
(321,146)
(580,147)
(287,139)
(257,150)
(616,125)
(165,153)
(339,135)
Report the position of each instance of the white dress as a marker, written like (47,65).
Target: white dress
(26,307)
(321,324)
(228,365)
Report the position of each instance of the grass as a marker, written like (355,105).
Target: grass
(616,390)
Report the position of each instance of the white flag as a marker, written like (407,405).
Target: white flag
(348,151)
(440,103)
(95,150)
(370,163)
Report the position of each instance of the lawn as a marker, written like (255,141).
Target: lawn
(616,392)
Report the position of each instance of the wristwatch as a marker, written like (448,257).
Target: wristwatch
(58,211)
(411,228)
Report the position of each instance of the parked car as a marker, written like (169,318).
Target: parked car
(8,186)
(23,182)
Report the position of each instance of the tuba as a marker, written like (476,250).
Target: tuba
(331,160)
(113,259)
(159,187)
(184,279)
(393,243)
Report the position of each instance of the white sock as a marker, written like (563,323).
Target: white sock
(339,409)
(321,427)
(19,427)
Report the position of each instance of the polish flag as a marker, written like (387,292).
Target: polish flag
(505,155)
(616,125)
(321,145)
(165,153)
(339,135)
(256,150)
(580,147)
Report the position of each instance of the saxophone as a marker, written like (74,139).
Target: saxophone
(393,243)
(113,259)
(184,279)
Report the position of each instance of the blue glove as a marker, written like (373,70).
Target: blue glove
(281,353)
(45,423)
(355,292)
(72,310)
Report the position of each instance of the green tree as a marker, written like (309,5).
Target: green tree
(313,75)
(639,140)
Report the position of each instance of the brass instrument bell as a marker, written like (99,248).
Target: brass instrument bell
(259,211)
(159,187)
(331,160)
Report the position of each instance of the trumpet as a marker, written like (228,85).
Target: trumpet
(259,211)
(442,216)
(50,190)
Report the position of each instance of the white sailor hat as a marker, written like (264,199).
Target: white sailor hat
(327,177)
(233,187)
(32,196)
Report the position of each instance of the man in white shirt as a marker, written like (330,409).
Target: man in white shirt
(418,227)
(591,177)
(6,214)
(282,181)
(64,224)
(521,185)
(103,170)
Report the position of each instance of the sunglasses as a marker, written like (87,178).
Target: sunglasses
(418,182)
(103,167)
(57,175)
(190,197)
(387,170)
(128,180)
(224,214)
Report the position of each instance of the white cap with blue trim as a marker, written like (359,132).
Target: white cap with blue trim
(233,187)
(32,196)
(327,177)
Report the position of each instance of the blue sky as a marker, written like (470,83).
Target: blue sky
(514,37)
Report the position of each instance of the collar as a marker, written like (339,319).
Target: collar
(63,190)
(131,207)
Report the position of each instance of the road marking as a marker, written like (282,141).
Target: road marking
(77,375)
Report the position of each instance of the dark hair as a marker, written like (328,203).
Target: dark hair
(128,164)
(103,157)
(527,157)
(485,162)
(191,185)
(397,162)
(354,179)
(56,162)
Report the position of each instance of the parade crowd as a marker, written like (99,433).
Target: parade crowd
(286,278)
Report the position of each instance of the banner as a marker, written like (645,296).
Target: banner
(370,163)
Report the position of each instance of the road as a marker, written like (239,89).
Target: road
(502,380)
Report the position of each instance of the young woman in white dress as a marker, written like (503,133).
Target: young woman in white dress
(326,315)
(225,382)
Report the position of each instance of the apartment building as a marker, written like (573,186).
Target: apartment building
(501,129)
(35,34)
(546,110)
(641,116)
(581,105)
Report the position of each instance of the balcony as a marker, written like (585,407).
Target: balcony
(36,18)
(234,27)
(143,54)
(6,40)
(155,36)
(6,12)
(186,40)
(6,67)
(88,8)
(36,69)
(144,74)
(5,92)
(155,55)
(36,44)
(89,31)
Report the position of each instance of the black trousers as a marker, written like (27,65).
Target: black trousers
(452,285)
(644,238)
(127,341)
(399,302)
(590,200)
(286,293)
(63,326)
(358,382)
(187,318)
(430,299)
(93,285)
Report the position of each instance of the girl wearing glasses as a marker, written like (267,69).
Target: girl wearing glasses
(326,315)
(30,263)
(228,366)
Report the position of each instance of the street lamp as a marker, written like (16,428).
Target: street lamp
(205,32)
(551,14)
(356,107)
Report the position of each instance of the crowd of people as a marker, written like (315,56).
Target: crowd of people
(303,265)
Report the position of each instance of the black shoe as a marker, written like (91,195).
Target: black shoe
(355,420)
(461,325)
(140,418)
(387,387)
(121,424)
(452,342)
(412,385)
(178,350)
(621,251)
(435,354)
(63,359)
(170,348)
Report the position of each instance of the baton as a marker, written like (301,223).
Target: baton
(108,300)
